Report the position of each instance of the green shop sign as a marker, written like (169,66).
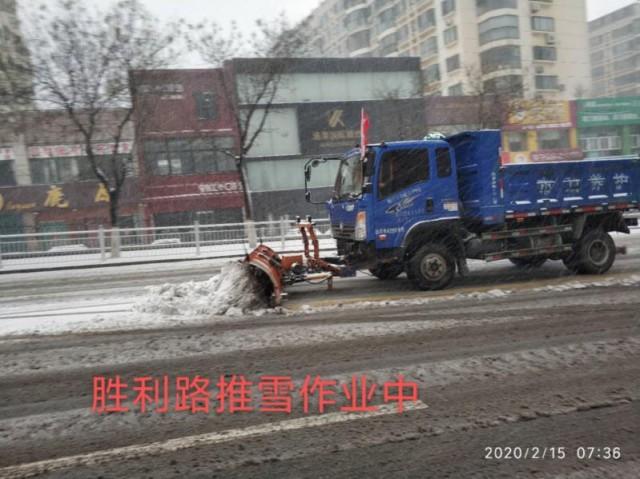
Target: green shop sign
(609,111)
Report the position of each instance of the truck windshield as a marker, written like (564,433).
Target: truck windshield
(349,180)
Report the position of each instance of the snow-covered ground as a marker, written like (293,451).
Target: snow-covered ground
(219,297)
(215,301)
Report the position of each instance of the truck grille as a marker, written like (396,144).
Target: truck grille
(346,231)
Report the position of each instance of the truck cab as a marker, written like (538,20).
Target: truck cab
(399,191)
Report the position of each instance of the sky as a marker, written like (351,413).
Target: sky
(245,12)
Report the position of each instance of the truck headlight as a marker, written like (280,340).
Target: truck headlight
(361,226)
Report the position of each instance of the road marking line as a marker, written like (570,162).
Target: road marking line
(171,445)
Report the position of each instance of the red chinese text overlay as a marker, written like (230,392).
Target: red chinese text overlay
(235,394)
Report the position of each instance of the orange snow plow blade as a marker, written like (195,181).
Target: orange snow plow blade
(272,271)
(265,266)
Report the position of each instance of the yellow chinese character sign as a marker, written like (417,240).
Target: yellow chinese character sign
(102,194)
(55,198)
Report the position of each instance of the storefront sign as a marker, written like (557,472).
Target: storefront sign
(63,197)
(573,154)
(220,187)
(335,127)
(608,111)
(61,151)
(193,192)
(540,115)
(7,153)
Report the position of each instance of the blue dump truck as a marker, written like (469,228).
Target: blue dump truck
(425,207)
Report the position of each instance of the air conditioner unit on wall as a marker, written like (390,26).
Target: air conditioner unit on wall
(539,69)
(535,8)
(550,39)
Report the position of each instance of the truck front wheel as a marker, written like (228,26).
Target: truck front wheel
(593,254)
(431,267)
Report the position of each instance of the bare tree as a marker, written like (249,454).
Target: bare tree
(253,91)
(495,100)
(80,61)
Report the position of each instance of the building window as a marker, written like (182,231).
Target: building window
(484,6)
(103,162)
(632,28)
(426,20)
(510,84)
(453,63)
(546,82)
(205,105)
(629,46)
(358,41)
(386,19)
(500,57)
(597,57)
(403,34)
(388,44)
(456,90)
(543,24)
(53,170)
(401,169)
(553,139)
(545,53)
(517,141)
(597,73)
(499,28)
(450,35)
(629,78)
(432,74)
(448,6)
(606,142)
(184,156)
(429,47)
(443,162)
(357,18)
(7,175)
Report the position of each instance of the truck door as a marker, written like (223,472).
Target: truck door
(413,185)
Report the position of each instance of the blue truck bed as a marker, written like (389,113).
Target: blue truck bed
(491,193)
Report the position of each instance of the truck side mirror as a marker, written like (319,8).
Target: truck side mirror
(367,188)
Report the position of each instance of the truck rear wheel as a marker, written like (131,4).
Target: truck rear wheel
(387,271)
(593,254)
(431,267)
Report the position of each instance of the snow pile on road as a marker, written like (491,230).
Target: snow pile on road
(632,280)
(232,292)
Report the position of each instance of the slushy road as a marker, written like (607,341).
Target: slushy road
(540,367)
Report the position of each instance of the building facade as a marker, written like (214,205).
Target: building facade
(316,111)
(46,180)
(614,41)
(609,126)
(466,46)
(184,126)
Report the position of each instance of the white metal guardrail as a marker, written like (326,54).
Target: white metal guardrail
(134,244)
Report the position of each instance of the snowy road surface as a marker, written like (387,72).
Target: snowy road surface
(503,359)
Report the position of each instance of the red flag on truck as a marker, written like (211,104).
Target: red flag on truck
(364,129)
